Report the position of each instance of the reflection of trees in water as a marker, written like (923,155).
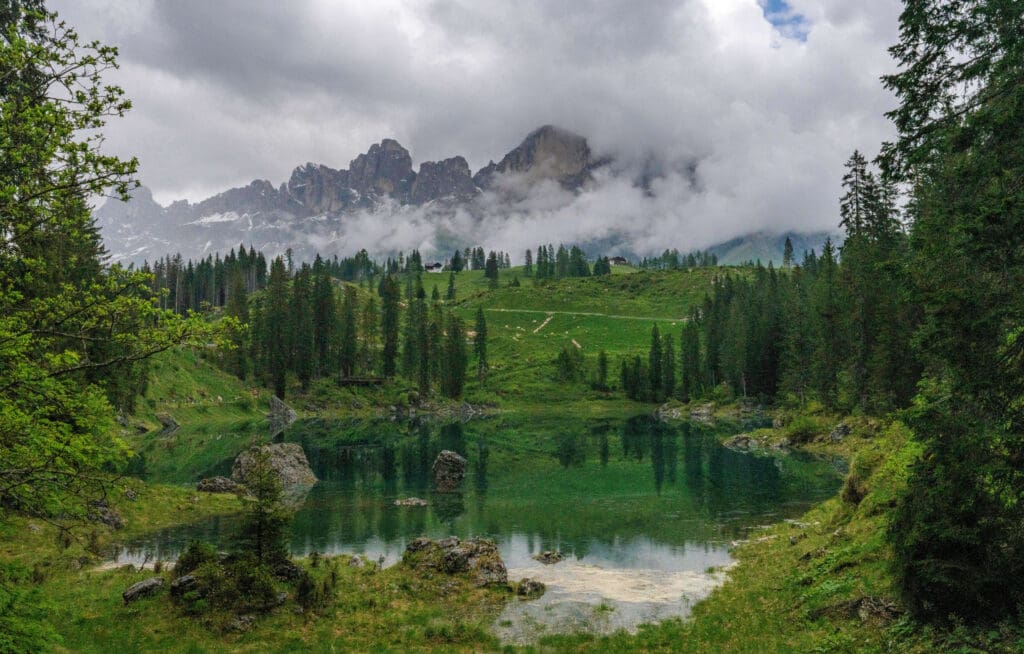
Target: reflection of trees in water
(365,466)
(447,506)
(570,449)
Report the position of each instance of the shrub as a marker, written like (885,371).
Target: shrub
(195,555)
(802,429)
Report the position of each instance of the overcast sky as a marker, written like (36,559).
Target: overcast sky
(764,100)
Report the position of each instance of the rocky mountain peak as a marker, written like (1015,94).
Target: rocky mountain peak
(386,169)
(548,152)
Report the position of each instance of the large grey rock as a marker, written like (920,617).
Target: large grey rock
(477,557)
(841,431)
(449,470)
(287,460)
(184,584)
(144,588)
(103,513)
(218,485)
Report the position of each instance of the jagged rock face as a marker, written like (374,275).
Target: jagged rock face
(385,169)
(259,196)
(546,153)
(440,179)
(320,189)
(308,213)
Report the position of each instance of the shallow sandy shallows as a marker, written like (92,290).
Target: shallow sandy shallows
(597,600)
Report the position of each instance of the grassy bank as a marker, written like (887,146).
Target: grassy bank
(821,583)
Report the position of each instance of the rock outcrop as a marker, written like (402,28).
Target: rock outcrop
(547,153)
(144,588)
(841,431)
(287,460)
(385,169)
(218,485)
(449,470)
(102,512)
(442,179)
(477,557)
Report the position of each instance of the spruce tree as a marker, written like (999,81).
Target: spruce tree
(450,293)
(275,325)
(300,327)
(389,323)
(480,345)
(668,368)
(455,358)
(348,348)
(654,366)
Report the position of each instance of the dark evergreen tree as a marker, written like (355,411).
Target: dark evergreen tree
(455,359)
(668,368)
(655,359)
(276,326)
(480,345)
(300,327)
(348,349)
(389,323)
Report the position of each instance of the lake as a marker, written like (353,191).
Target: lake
(642,510)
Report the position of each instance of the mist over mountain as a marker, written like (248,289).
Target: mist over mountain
(551,188)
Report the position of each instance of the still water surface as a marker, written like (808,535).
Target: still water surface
(642,510)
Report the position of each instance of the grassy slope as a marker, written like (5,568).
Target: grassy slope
(780,597)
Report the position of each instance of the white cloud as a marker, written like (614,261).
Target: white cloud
(230,91)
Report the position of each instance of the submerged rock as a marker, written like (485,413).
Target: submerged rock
(449,471)
(144,588)
(218,485)
(287,460)
(476,557)
(549,558)
(530,588)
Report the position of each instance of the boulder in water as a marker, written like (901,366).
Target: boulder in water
(449,471)
(287,460)
(549,558)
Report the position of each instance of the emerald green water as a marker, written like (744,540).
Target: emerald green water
(641,509)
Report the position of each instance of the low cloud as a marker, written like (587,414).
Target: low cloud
(749,122)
